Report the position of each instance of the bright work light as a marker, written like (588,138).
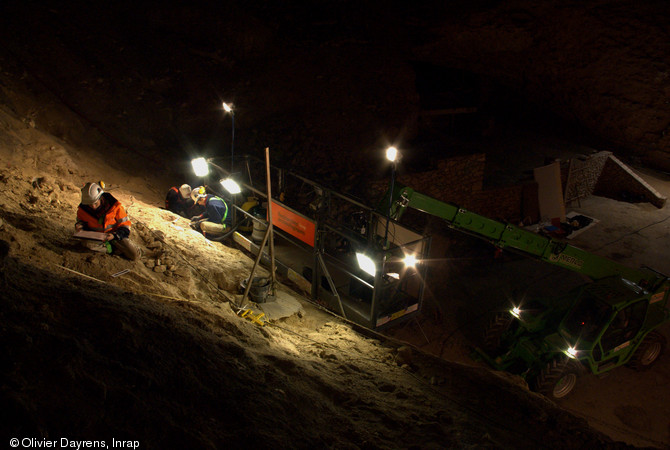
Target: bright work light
(231,186)
(200,167)
(572,352)
(410,261)
(391,153)
(366,264)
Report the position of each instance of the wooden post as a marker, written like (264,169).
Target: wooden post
(272,241)
(268,234)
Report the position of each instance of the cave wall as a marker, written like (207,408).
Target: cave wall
(460,180)
(340,79)
(455,180)
(602,65)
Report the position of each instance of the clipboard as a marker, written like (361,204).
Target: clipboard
(90,235)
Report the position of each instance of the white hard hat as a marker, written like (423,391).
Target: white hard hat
(90,193)
(185,190)
(198,193)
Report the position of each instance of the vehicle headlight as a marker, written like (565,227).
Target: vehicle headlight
(572,352)
(516,312)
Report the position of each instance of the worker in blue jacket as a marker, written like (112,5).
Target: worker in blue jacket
(216,217)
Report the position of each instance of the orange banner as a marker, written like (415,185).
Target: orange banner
(293,223)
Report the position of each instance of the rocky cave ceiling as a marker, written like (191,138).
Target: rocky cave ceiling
(342,78)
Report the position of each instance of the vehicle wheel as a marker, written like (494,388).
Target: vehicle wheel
(558,378)
(648,352)
(500,324)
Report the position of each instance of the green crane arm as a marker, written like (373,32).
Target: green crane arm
(505,235)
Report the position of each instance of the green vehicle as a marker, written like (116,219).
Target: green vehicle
(609,322)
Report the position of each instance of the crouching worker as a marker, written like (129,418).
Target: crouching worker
(178,200)
(100,211)
(215,220)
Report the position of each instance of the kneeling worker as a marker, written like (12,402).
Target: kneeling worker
(215,219)
(178,200)
(100,211)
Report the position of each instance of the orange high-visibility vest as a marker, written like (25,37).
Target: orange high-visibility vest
(111,219)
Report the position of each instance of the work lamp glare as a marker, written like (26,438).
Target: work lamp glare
(200,167)
(231,186)
(391,153)
(366,264)
(410,261)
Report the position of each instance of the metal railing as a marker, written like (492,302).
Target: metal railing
(343,226)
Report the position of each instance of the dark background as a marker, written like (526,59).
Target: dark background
(324,83)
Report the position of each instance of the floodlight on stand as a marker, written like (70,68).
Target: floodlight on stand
(366,264)
(231,186)
(200,167)
(391,155)
(228,107)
